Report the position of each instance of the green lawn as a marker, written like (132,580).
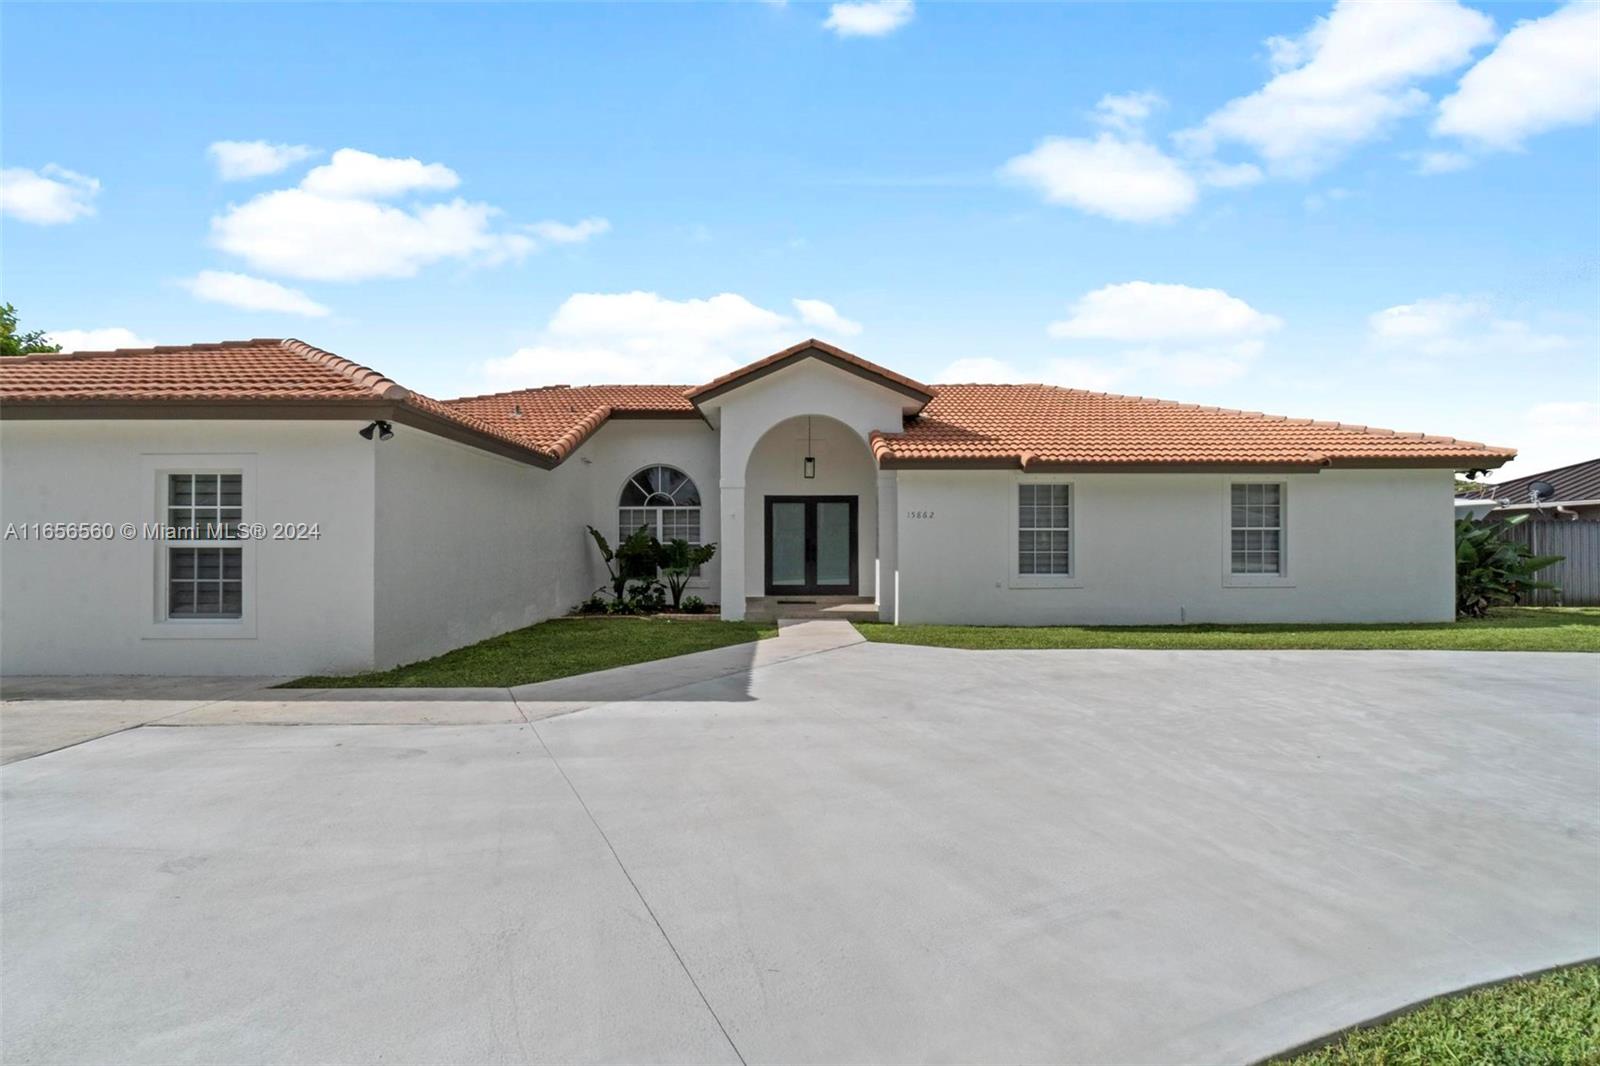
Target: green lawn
(1554,1018)
(1506,629)
(558,648)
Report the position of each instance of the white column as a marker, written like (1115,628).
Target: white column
(732,552)
(888,591)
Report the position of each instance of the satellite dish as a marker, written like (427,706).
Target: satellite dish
(1539,491)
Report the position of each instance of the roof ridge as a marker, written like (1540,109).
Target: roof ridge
(552,388)
(1264,415)
(154,349)
(364,376)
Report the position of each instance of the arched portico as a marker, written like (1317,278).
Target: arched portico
(812,527)
(761,424)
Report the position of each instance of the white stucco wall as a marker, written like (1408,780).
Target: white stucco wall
(469,545)
(617,451)
(744,416)
(93,607)
(844,468)
(1362,546)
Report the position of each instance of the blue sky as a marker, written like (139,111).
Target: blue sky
(1375,213)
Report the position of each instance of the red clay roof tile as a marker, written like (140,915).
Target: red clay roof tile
(1034,427)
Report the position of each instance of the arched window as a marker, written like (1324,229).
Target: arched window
(663,500)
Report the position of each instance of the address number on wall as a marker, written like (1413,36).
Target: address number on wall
(919,514)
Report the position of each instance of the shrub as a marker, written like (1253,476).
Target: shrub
(647,596)
(694,605)
(677,560)
(631,560)
(1492,570)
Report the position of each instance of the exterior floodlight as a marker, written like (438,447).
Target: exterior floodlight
(380,427)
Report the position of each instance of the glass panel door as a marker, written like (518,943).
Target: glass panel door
(788,531)
(835,546)
(811,545)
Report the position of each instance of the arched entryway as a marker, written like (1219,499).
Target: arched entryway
(811,487)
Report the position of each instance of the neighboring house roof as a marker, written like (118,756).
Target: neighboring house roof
(1044,427)
(811,349)
(1574,483)
(1031,427)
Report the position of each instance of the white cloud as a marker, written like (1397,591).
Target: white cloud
(822,315)
(981,369)
(251,294)
(334,227)
(98,340)
(1318,200)
(1344,81)
(1149,311)
(1454,326)
(1442,162)
(239,160)
(1546,435)
(1125,179)
(1544,74)
(300,234)
(47,196)
(869,18)
(354,173)
(643,337)
(570,233)
(1230,176)
(1127,112)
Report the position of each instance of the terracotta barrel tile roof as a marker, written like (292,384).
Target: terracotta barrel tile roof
(809,349)
(1034,427)
(233,370)
(230,374)
(558,418)
(1044,426)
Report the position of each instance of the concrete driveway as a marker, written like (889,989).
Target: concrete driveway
(869,853)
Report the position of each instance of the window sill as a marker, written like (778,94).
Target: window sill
(1045,583)
(1244,581)
(201,629)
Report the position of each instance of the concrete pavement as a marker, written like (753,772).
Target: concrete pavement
(862,853)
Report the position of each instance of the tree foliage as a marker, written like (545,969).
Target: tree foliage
(25,343)
(1491,569)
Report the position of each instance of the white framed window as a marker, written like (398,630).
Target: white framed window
(204,572)
(664,500)
(1041,537)
(1256,541)
(201,570)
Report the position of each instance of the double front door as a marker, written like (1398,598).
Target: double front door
(811,545)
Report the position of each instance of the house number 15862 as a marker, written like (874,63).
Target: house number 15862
(919,514)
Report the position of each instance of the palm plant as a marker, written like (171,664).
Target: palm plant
(1493,570)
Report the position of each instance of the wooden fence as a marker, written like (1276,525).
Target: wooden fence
(1578,575)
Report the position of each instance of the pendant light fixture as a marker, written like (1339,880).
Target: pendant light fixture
(809,470)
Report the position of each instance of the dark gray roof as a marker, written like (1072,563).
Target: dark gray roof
(1580,481)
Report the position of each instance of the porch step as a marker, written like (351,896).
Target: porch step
(844,608)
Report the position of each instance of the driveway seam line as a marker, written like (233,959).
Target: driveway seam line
(129,728)
(635,886)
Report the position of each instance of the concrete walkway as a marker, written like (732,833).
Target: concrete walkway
(42,714)
(844,852)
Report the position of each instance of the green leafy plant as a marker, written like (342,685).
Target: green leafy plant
(1493,570)
(595,604)
(646,596)
(633,559)
(693,605)
(677,559)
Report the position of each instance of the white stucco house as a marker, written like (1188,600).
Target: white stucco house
(355,524)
